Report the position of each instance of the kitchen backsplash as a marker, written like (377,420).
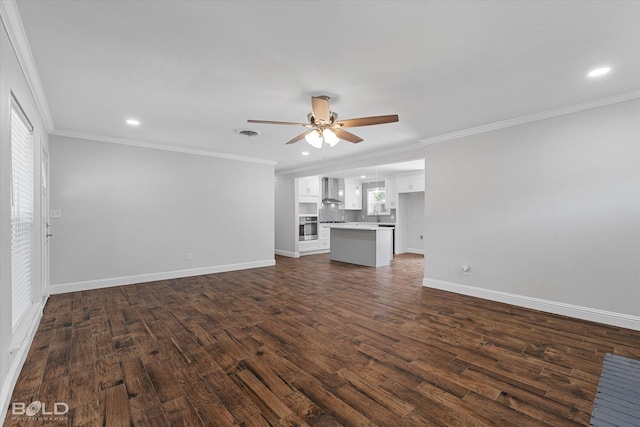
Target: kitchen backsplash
(332,213)
(329,213)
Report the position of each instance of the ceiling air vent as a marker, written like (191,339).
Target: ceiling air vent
(248,132)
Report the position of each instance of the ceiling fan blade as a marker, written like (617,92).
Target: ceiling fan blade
(347,136)
(301,136)
(269,122)
(367,121)
(320,107)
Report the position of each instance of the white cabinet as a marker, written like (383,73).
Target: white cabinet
(308,245)
(324,237)
(410,183)
(309,189)
(390,193)
(352,194)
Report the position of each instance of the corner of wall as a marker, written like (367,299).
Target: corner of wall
(584,313)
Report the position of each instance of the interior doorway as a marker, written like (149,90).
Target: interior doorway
(410,223)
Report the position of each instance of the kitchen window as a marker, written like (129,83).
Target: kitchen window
(376,202)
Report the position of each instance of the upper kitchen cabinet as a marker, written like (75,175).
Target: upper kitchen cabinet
(410,183)
(309,189)
(390,188)
(352,194)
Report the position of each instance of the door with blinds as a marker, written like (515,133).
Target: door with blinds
(22,214)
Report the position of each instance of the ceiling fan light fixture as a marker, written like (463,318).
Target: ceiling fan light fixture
(330,137)
(314,139)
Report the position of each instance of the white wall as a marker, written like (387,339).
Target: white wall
(547,214)
(132,214)
(12,80)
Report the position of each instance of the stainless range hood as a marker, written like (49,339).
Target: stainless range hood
(331,190)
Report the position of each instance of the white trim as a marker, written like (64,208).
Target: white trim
(19,357)
(340,163)
(627,96)
(287,253)
(23,328)
(579,312)
(151,277)
(10,15)
(158,146)
(415,251)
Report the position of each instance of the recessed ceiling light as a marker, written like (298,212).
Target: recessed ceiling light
(305,153)
(363,176)
(133,122)
(599,72)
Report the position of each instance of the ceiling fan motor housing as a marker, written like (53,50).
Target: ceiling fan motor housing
(312,119)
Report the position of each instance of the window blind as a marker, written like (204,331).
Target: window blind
(22,215)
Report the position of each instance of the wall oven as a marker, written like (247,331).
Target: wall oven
(308,227)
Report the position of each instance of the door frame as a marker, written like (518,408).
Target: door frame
(45,234)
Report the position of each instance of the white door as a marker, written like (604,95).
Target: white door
(46,233)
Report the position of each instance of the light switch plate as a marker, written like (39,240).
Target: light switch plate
(55,213)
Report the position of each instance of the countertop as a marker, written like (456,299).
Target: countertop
(370,226)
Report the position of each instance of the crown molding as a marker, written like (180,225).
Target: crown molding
(337,164)
(10,16)
(158,146)
(627,96)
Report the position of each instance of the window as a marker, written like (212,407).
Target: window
(22,214)
(376,202)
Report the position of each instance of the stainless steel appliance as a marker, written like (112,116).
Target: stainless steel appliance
(308,227)
(331,193)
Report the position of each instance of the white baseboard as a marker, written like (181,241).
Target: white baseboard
(579,312)
(409,251)
(287,253)
(17,361)
(151,277)
(316,252)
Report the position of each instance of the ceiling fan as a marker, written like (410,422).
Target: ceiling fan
(325,127)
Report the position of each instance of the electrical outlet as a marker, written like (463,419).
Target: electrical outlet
(466,270)
(190,256)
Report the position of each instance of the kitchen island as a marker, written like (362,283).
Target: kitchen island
(363,244)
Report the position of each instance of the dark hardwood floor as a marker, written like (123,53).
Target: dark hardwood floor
(311,342)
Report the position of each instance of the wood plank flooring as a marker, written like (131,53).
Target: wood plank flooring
(311,342)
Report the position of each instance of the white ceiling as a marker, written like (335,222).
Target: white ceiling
(193,71)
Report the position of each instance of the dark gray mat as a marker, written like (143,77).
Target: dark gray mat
(617,401)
